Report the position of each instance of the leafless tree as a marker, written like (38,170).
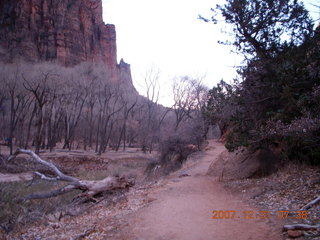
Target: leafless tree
(38,81)
(89,113)
(74,99)
(108,101)
(128,102)
(151,114)
(184,99)
(19,99)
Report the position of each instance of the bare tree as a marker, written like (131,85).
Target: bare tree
(128,102)
(151,113)
(184,99)
(89,116)
(74,100)
(38,81)
(54,116)
(108,100)
(19,99)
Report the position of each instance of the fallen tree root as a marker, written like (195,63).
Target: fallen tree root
(301,227)
(89,188)
(310,204)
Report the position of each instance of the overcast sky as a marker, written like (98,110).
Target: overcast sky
(167,35)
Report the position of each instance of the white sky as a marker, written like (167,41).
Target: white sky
(167,35)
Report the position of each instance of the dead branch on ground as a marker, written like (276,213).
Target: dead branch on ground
(89,188)
(304,227)
(301,227)
(310,204)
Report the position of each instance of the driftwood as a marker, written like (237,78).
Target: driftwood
(89,188)
(301,227)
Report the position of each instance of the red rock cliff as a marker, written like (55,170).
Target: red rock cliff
(69,31)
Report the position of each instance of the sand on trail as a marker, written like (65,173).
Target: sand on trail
(183,207)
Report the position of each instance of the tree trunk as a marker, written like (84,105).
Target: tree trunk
(29,126)
(119,141)
(39,130)
(12,120)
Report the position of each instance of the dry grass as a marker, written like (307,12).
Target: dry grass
(15,212)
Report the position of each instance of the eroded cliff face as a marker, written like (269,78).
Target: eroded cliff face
(68,31)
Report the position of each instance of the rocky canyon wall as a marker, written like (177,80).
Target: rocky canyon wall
(66,31)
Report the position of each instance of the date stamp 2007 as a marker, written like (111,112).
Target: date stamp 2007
(232,214)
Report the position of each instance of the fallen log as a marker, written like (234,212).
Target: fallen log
(89,188)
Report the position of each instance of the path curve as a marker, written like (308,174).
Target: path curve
(183,207)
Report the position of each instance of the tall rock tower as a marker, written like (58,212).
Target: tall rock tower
(66,31)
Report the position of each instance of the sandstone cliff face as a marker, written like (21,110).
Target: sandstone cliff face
(68,31)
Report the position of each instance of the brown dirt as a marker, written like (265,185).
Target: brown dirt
(183,209)
(15,177)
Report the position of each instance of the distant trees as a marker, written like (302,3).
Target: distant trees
(277,86)
(189,96)
(151,115)
(39,83)
(18,100)
(45,106)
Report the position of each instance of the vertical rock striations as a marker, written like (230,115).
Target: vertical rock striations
(66,31)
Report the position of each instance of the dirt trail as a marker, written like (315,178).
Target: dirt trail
(183,207)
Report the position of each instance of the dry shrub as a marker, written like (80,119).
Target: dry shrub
(173,153)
